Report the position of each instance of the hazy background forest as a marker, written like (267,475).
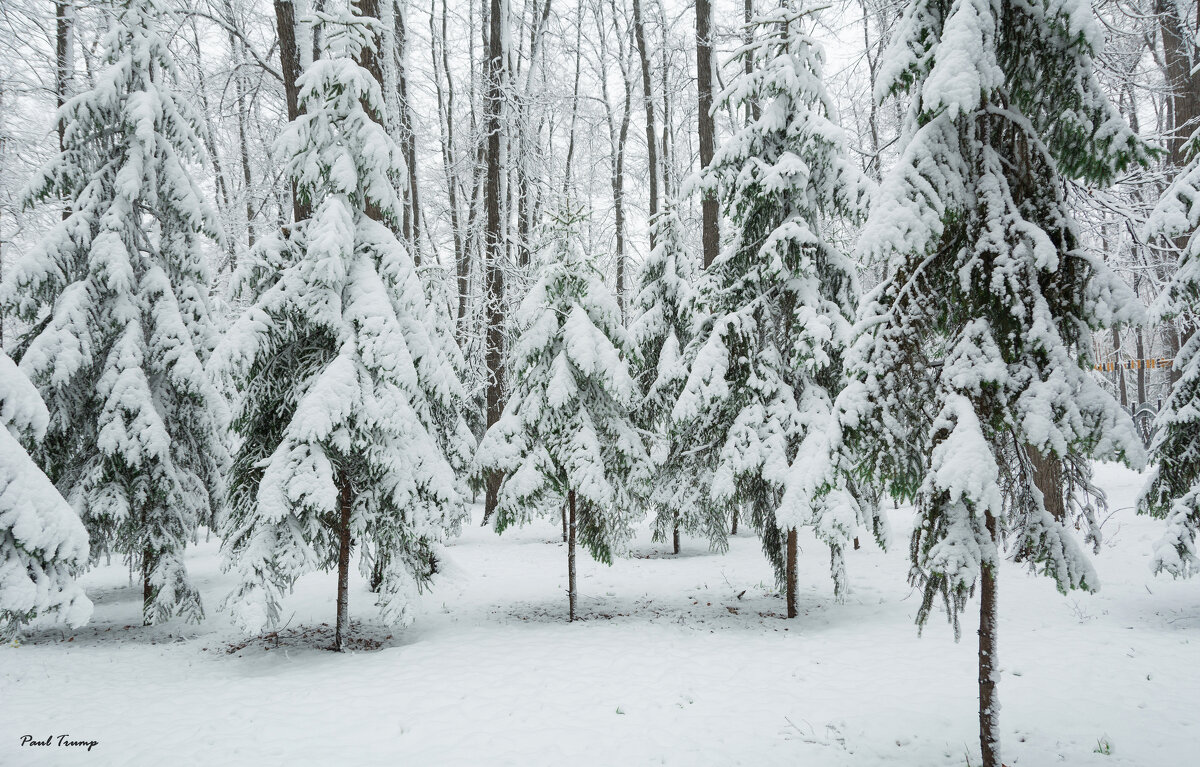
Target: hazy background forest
(574,127)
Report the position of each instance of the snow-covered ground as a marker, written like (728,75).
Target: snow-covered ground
(679,660)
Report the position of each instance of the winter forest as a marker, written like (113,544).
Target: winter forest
(696,382)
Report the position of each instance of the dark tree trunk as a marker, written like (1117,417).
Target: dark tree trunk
(618,186)
(445,103)
(494,245)
(147,589)
(791,573)
(412,207)
(1121,389)
(342,631)
(989,705)
(289,64)
(665,157)
(1141,371)
(639,30)
(239,89)
(733,528)
(675,534)
(1047,476)
(64,60)
(571,593)
(704,87)
(1183,81)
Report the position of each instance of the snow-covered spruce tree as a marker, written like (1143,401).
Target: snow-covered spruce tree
(335,450)
(665,309)
(117,296)
(1173,492)
(970,372)
(766,363)
(43,545)
(566,434)
(428,329)
(441,377)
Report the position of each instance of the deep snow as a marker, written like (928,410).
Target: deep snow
(679,660)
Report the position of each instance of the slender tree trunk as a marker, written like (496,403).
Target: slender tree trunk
(704,68)
(665,160)
(342,631)
(64,60)
(791,573)
(147,589)
(445,103)
(619,193)
(989,704)
(494,244)
(752,108)
(564,523)
(639,30)
(574,107)
(675,535)
(289,64)
(412,208)
(239,90)
(1121,390)
(1141,371)
(223,200)
(571,592)
(733,528)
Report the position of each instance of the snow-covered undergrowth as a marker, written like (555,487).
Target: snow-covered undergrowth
(678,660)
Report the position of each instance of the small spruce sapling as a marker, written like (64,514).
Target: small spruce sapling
(566,434)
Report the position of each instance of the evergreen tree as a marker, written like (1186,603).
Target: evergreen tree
(440,372)
(1173,492)
(766,364)
(336,367)
(117,295)
(566,433)
(43,545)
(665,310)
(972,367)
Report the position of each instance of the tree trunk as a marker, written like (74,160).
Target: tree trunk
(571,593)
(147,589)
(445,105)
(989,705)
(1121,390)
(619,195)
(1047,477)
(1141,371)
(64,58)
(675,534)
(752,108)
(239,89)
(1183,81)
(342,631)
(710,234)
(564,523)
(289,64)
(791,573)
(412,206)
(574,109)
(733,530)
(639,30)
(494,245)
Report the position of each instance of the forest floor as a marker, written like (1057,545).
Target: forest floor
(681,660)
